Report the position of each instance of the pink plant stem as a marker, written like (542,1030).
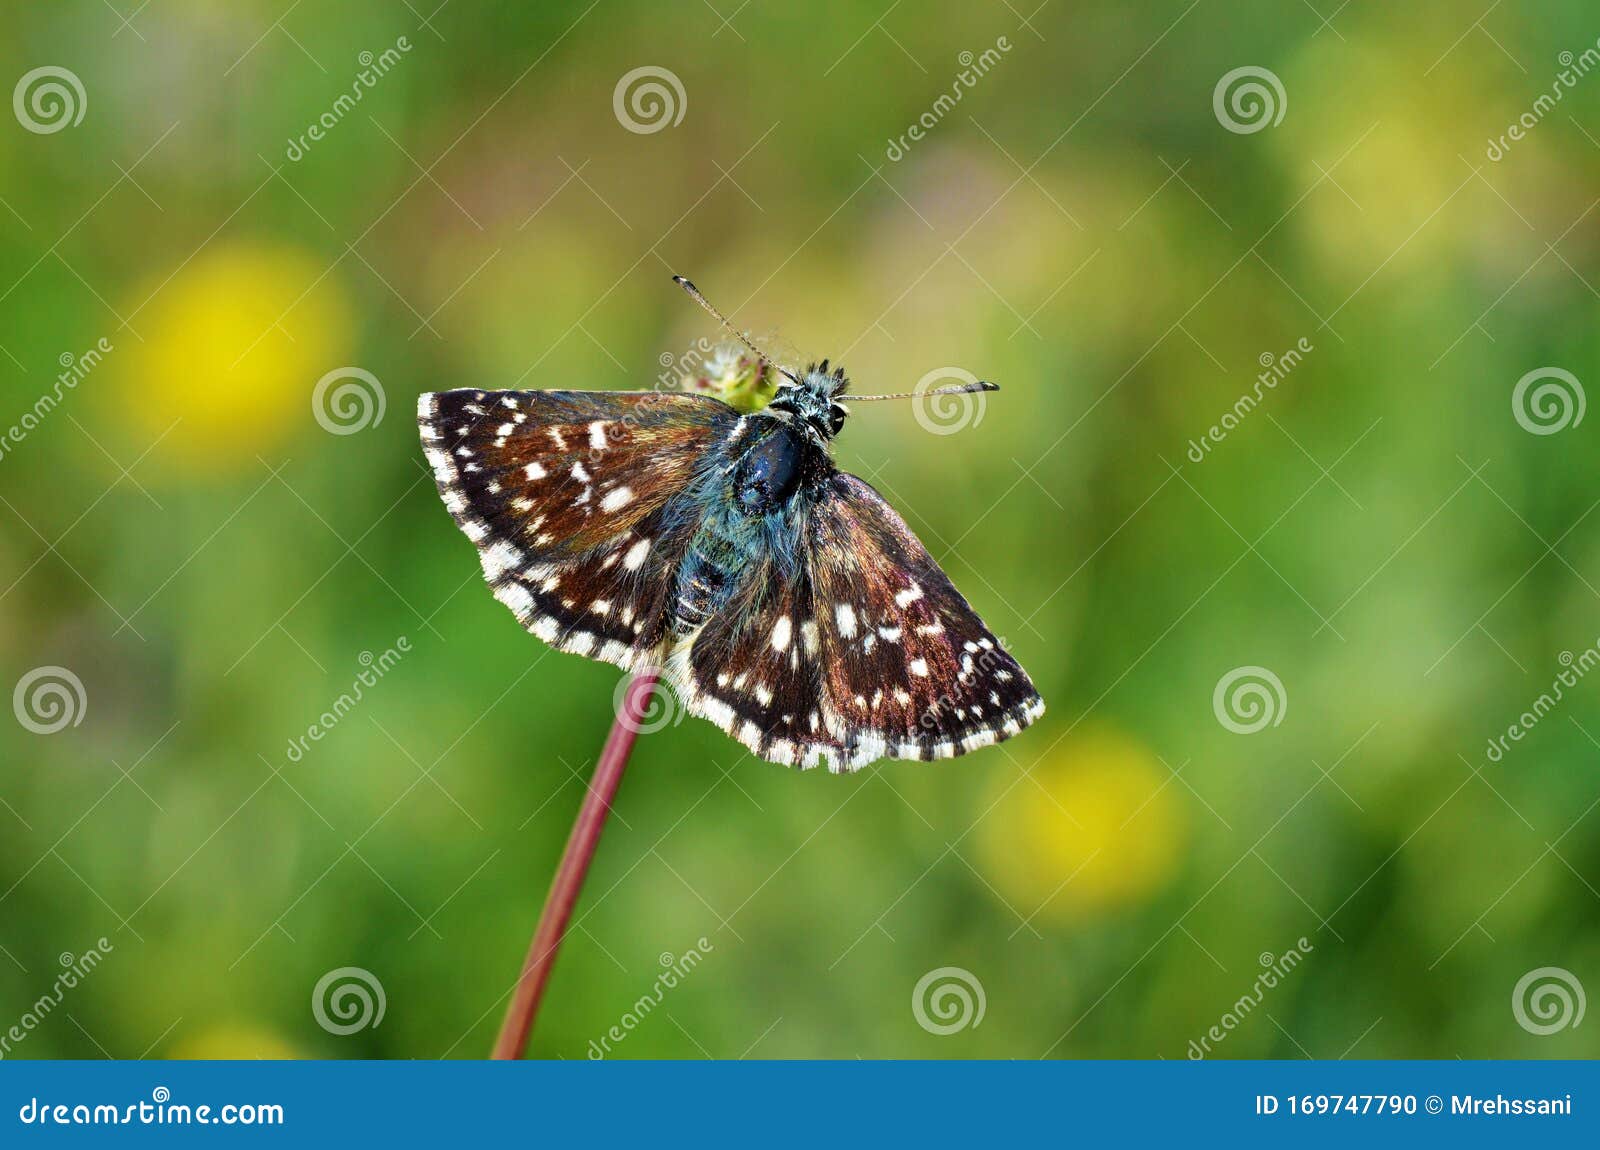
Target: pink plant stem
(574,867)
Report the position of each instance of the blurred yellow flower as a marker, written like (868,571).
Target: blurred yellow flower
(233,1041)
(233,346)
(1098,832)
(1378,154)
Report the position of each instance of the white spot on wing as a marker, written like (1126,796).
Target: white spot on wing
(780,634)
(515,596)
(634,559)
(846,616)
(616,499)
(444,468)
(500,558)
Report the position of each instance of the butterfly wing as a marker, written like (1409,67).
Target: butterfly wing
(861,650)
(911,671)
(837,638)
(575,502)
(753,668)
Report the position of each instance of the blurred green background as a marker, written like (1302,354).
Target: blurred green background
(1408,553)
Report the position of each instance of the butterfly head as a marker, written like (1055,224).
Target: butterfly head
(814,400)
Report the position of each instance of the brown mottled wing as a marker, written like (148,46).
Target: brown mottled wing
(572,500)
(858,649)
(909,670)
(753,669)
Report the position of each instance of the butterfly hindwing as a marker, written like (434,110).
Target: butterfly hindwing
(861,649)
(910,670)
(752,668)
(574,502)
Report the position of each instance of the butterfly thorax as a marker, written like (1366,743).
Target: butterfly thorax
(754,508)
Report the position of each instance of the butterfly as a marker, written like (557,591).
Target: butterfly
(782,599)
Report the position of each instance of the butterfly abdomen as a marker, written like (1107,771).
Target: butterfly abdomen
(702,582)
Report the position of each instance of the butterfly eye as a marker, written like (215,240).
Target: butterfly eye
(836,418)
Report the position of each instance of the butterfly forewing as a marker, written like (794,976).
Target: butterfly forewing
(574,500)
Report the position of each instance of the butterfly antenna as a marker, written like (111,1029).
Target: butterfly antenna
(954,389)
(737,334)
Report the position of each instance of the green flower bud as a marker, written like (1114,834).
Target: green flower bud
(736,377)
